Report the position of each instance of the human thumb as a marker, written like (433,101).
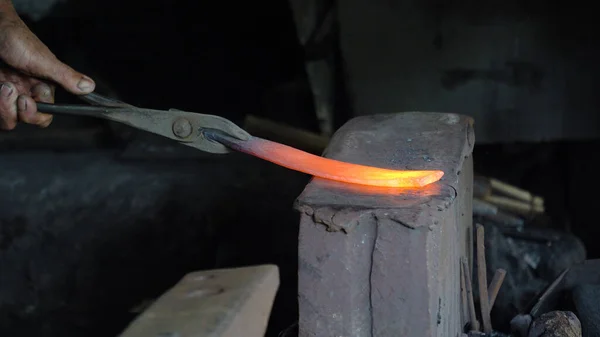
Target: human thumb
(21,49)
(71,80)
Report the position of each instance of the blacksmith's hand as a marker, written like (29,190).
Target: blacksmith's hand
(30,69)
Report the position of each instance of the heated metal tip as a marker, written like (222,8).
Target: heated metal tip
(304,162)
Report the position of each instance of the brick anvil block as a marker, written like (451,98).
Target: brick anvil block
(378,262)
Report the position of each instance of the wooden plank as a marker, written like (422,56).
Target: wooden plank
(495,285)
(466,275)
(214,303)
(482,279)
(288,135)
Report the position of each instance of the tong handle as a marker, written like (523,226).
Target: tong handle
(73,110)
(184,127)
(99,100)
(99,105)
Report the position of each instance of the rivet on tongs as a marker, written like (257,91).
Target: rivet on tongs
(182,128)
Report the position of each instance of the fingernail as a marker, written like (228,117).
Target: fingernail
(46,123)
(86,85)
(22,103)
(6,90)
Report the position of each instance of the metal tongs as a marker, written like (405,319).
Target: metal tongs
(215,134)
(184,127)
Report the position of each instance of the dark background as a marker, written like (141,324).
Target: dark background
(93,222)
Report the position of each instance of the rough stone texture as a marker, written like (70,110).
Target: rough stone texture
(556,324)
(381,262)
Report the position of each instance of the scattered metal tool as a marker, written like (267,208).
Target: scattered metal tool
(547,299)
(184,127)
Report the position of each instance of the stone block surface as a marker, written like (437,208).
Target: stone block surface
(385,262)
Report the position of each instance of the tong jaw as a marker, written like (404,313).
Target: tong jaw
(188,129)
(182,126)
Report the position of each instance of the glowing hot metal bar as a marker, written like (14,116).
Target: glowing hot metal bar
(297,160)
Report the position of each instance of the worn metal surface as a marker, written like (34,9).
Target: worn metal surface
(376,262)
(184,127)
(214,303)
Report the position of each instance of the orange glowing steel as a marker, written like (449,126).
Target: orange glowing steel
(327,168)
(380,191)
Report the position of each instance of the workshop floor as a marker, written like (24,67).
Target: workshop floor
(85,238)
